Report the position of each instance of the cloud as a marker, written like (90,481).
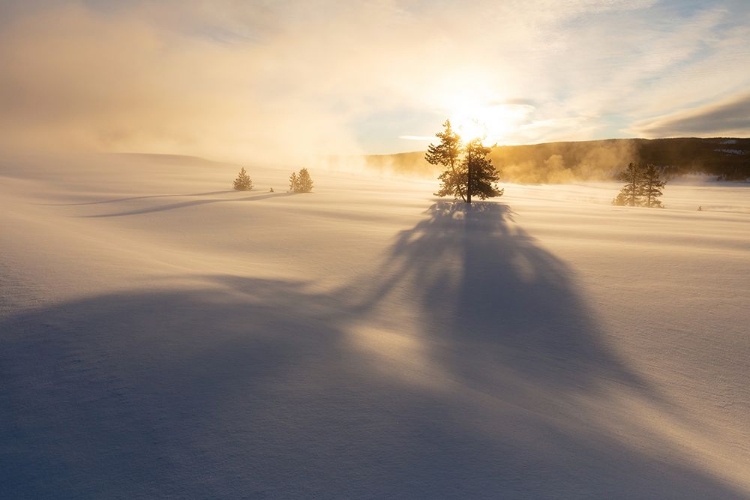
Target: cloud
(283,81)
(729,117)
(75,77)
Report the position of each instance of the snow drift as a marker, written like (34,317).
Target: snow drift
(162,335)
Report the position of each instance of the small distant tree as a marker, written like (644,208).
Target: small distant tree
(652,186)
(300,182)
(630,194)
(472,175)
(304,181)
(643,186)
(243,181)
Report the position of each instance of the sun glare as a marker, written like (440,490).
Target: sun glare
(492,123)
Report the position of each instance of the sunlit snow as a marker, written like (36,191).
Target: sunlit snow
(163,336)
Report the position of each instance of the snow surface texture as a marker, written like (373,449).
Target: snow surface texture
(163,336)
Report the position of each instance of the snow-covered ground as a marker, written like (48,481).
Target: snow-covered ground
(162,336)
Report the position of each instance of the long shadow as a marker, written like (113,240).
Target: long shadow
(489,291)
(250,388)
(134,198)
(146,395)
(186,204)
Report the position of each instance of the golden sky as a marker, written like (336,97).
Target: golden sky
(290,78)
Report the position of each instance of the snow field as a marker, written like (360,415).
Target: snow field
(164,336)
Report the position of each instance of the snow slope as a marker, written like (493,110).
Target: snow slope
(162,336)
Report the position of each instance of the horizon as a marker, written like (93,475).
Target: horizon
(414,151)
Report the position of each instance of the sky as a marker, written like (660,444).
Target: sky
(286,79)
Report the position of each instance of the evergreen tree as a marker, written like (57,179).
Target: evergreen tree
(481,173)
(300,182)
(620,199)
(243,181)
(630,194)
(643,186)
(472,175)
(652,187)
(453,180)
(304,181)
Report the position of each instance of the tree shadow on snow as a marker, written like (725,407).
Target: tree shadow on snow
(488,290)
(137,198)
(250,388)
(187,204)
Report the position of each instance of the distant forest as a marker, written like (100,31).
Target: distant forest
(558,162)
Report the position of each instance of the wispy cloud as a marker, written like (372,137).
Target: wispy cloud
(731,117)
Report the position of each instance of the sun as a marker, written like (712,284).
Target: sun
(468,127)
(493,123)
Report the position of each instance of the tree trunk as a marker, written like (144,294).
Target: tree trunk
(460,191)
(468,182)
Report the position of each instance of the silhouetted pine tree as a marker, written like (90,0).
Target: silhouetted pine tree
(651,187)
(300,182)
(644,186)
(630,194)
(243,182)
(304,181)
(454,179)
(481,173)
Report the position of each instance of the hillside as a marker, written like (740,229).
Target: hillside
(557,162)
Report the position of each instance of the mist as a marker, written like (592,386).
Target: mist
(549,163)
(84,80)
